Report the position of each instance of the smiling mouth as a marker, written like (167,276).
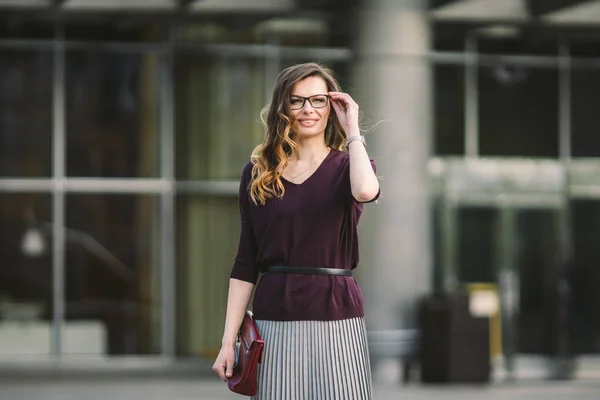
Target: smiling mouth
(307,121)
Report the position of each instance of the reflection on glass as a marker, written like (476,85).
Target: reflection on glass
(25,274)
(207,231)
(111,115)
(112,299)
(25,113)
(218,103)
(518,111)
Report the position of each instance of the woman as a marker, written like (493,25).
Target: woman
(300,202)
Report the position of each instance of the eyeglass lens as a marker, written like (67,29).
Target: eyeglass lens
(318,101)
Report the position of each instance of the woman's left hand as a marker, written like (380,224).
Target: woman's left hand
(346,110)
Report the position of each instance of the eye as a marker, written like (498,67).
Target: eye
(296,101)
(319,100)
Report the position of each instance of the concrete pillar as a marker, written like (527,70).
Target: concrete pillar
(393,84)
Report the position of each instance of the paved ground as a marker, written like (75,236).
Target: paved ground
(185,389)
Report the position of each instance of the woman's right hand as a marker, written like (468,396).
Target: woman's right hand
(223,365)
(237,301)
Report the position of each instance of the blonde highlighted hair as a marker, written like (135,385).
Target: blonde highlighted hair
(270,158)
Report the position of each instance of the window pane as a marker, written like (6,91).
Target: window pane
(25,113)
(518,111)
(585,277)
(91,29)
(25,274)
(493,39)
(255,29)
(477,239)
(112,274)
(448,37)
(26,28)
(112,115)
(537,237)
(498,40)
(585,115)
(449,109)
(218,103)
(207,231)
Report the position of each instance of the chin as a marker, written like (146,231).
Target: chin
(309,132)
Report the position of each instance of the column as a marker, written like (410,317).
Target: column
(393,82)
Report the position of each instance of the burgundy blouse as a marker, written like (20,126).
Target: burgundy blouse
(313,225)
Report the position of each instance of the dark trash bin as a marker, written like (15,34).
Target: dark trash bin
(454,346)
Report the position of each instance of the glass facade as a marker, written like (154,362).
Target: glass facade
(120,157)
(510,212)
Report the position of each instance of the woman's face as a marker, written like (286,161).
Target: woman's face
(310,106)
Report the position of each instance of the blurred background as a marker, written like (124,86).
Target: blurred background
(124,127)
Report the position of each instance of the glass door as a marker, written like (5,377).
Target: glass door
(540,265)
(519,248)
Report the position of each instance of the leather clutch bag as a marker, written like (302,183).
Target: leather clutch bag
(249,353)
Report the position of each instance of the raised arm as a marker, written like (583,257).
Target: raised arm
(363,181)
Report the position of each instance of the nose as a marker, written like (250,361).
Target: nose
(307,108)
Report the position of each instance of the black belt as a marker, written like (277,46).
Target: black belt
(309,270)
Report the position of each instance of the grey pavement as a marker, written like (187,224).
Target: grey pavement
(188,389)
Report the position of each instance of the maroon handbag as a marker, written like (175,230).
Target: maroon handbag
(249,352)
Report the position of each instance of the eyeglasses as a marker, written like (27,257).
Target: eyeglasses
(316,101)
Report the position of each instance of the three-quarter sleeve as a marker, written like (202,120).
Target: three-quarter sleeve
(374,166)
(244,267)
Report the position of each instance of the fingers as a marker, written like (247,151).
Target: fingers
(337,107)
(339,94)
(229,367)
(223,366)
(342,97)
(340,101)
(219,369)
(340,112)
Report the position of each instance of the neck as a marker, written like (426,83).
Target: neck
(311,148)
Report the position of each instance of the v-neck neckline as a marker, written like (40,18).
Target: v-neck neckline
(311,175)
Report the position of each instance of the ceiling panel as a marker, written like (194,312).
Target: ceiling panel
(482,10)
(24,3)
(112,5)
(540,7)
(241,5)
(579,14)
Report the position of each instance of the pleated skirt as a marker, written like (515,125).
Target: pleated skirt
(314,360)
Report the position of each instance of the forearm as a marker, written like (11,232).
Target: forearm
(363,181)
(237,302)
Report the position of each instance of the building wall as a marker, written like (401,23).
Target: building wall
(120,155)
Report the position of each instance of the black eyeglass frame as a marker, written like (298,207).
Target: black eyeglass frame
(309,100)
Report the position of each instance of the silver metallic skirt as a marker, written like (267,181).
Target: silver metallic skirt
(314,360)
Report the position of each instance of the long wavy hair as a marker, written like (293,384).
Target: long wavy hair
(270,158)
